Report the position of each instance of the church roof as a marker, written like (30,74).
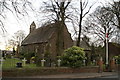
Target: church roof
(40,35)
(84,45)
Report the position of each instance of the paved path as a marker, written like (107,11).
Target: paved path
(77,75)
(74,76)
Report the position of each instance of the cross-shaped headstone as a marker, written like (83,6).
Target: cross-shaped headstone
(59,62)
(24,62)
(43,62)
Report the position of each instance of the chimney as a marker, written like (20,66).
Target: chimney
(32,27)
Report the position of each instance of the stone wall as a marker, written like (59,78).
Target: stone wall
(48,71)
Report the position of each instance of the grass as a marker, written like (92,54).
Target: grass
(11,64)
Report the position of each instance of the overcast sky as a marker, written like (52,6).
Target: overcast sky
(13,24)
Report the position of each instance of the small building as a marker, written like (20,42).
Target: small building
(43,41)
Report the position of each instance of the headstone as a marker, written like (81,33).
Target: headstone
(59,61)
(19,65)
(24,62)
(43,62)
(12,56)
(84,62)
(94,62)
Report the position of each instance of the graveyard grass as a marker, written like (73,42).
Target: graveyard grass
(11,64)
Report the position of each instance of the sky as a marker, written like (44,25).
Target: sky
(13,24)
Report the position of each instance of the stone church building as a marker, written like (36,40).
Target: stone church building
(43,42)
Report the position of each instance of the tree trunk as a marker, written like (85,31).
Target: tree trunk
(80,25)
(60,39)
(60,30)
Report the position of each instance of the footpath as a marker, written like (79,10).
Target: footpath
(77,75)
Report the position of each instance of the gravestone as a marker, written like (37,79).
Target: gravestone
(84,62)
(59,62)
(24,62)
(94,62)
(43,62)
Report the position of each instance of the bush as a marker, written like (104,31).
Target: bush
(28,56)
(118,59)
(73,57)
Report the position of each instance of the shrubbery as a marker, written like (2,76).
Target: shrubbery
(73,57)
(118,59)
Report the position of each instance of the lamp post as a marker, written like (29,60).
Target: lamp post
(107,48)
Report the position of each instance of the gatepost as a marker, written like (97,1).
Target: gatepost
(112,65)
(100,64)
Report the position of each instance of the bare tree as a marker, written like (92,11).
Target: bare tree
(98,22)
(57,10)
(17,38)
(115,9)
(17,7)
(83,11)
(58,13)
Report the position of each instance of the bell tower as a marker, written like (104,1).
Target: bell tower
(32,27)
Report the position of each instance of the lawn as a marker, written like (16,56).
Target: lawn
(11,64)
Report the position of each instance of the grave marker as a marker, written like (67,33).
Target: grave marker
(59,61)
(84,62)
(24,62)
(43,62)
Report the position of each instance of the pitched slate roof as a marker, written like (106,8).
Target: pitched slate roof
(40,35)
(84,45)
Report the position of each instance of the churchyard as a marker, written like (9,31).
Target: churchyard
(16,67)
(12,64)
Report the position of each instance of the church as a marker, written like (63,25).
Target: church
(43,41)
